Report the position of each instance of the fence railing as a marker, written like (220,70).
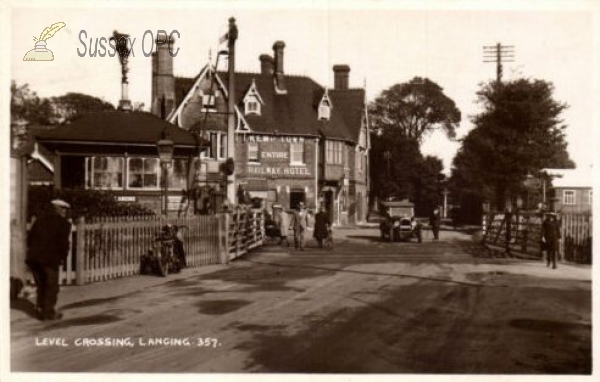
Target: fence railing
(110,248)
(521,234)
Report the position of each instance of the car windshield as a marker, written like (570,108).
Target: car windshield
(400,211)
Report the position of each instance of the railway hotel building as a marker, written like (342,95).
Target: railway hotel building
(295,140)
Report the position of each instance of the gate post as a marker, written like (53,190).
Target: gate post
(508,226)
(226,225)
(80,275)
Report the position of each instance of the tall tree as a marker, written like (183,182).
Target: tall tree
(71,105)
(414,109)
(518,133)
(25,105)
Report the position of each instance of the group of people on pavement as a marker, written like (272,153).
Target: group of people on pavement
(299,222)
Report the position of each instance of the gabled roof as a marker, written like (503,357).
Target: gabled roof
(350,104)
(118,127)
(293,113)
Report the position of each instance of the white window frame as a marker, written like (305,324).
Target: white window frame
(292,152)
(324,111)
(250,103)
(209,102)
(253,149)
(157,171)
(569,197)
(221,146)
(90,171)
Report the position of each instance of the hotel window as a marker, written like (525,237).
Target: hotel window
(208,102)
(324,110)
(297,153)
(143,173)
(252,106)
(105,173)
(588,197)
(253,152)
(569,197)
(334,152)
(218,146)
(346,156)
(223,146)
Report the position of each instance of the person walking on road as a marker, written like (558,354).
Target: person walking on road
(300,224)
(550,238)
(48,246)
(281,219)
(435,221)
(322,225)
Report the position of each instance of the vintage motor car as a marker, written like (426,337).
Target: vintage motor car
(399,223)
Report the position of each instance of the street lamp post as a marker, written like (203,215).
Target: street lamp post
(165,154)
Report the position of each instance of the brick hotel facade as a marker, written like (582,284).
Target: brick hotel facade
(295,139)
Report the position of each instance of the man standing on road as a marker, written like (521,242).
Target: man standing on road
(550,238)
(435,222)
(48,246)
(300,224)
(322,226)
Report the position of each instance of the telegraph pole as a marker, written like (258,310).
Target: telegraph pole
(498,53)
(232,35)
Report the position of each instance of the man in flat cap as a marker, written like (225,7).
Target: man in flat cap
(48,246)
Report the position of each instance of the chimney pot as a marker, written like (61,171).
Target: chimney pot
(266,64)
(341,76)
(279,76)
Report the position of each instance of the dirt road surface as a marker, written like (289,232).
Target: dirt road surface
(365,307)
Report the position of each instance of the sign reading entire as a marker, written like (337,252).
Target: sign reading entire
(275,155)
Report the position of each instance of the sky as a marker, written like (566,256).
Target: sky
(384,43)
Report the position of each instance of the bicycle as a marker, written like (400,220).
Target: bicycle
(163,257)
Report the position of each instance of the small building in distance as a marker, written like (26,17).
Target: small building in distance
(570,189)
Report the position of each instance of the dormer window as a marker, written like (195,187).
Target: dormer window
(325,107)
(208,102)
(252,100)
(252,107)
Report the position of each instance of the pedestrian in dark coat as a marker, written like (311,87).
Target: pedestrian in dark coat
(435,221)
(550,238)
(48,246)
(322,224)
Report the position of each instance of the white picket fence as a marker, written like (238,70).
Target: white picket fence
(110,248)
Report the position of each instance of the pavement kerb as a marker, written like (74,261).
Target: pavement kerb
(70,294)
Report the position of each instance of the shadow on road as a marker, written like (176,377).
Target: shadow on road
(24,306)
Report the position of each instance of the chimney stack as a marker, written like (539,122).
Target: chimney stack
(266,64)
(341,77)
(163,81)
(279,75)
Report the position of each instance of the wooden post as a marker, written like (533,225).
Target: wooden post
(226,223)
(508,217)
(80,267)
